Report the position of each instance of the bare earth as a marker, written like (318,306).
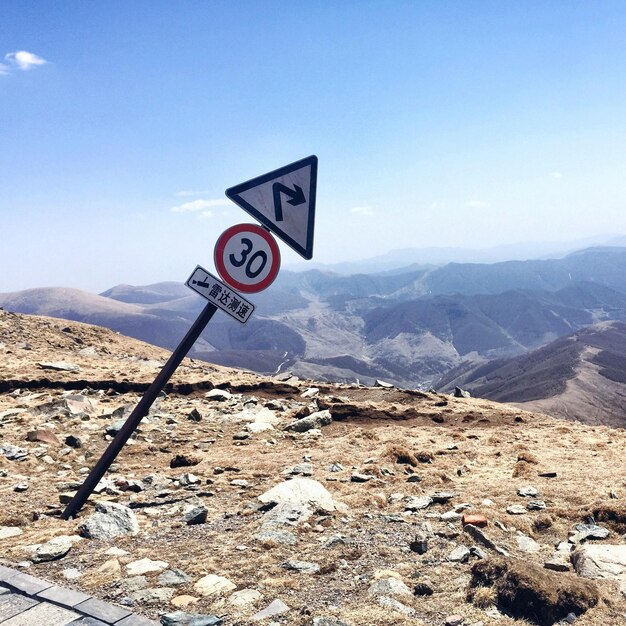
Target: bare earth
(479,450)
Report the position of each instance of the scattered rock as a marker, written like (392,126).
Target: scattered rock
(183,601)
(454,620)
(394,605)
(601,561)
(479,535)
(516,509)
(315,420)
(527,544)
(13,453)
(194,415)
(589,531)
(280,537)
(301,566)
(173,577)
(184,460)
(212,584)
(244,597)
(389,586)
(188,479)
(461,393)
(535,505)
(328,621)
(110,520)
(277,607)
(179,618)
(417,503)
(218,395)
(52,550)
(59,366)
(383,384)
(361,478)
(311,392)
(73,442)
(302,491)
(44,436)
(442,497)
(557,564)
(527,492)
(423,589)
(145,566)
(152,595)
(196,515)
(302,469)
(460,554)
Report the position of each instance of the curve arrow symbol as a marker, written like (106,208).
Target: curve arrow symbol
(295,195)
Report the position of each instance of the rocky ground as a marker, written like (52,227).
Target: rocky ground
(250,500)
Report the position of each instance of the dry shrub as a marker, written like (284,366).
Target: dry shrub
(531,592)
(542,522)
(400,454)
(522,470)
(527,457)
(613,515)
(483,597)
(378,500)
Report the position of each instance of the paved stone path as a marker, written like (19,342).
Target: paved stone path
(29,601)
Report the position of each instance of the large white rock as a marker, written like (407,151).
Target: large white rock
(601,561)
(145,566)
(6,532)
(110,520)
(301,491)
(244,598)
(53,549)
(212,584)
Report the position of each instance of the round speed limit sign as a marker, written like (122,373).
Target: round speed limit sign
(247,258)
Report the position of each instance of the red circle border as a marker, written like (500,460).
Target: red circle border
(221,267)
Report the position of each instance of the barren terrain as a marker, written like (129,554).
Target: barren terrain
(401,467)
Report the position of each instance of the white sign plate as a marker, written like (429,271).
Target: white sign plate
(284,202)
(219,294)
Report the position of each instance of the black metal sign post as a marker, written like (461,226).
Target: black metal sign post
(298,182)
(140,411)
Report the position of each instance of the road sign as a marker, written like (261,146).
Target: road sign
(219,294)
(247,258)
(284,202)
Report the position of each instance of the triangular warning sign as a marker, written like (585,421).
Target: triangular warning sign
(284,202)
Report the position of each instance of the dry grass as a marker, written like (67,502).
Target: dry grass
(489,453)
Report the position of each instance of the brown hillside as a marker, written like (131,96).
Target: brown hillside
(369,557)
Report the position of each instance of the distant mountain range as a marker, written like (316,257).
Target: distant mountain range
(419,258)
(581,376)
(409,327)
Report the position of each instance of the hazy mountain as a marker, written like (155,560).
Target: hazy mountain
(407,327)
(420,258)
(581,376)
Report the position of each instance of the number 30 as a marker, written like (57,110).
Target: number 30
(259,254)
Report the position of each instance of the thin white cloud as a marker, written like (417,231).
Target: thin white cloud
(556,175)
(205,215)
(23,60)
(476,204)
(187,193)
(199,205)
(4,69)
(362,210)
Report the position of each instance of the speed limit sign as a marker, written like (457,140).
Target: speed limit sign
(247,258)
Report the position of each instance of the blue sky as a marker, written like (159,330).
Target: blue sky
(436,124)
